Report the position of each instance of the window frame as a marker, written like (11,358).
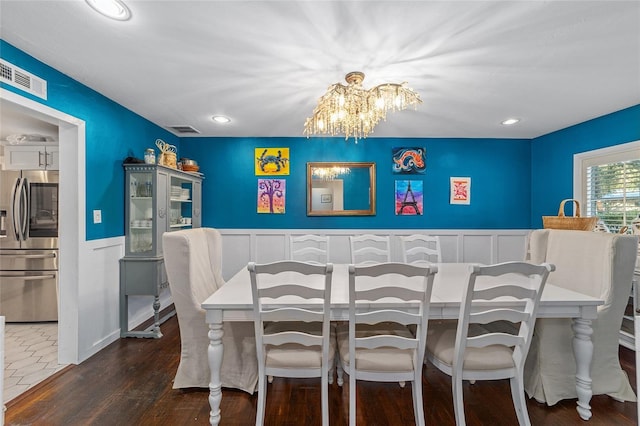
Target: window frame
(583,160)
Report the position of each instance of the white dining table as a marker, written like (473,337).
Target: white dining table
(233,302)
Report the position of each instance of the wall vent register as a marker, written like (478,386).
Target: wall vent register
(17,77)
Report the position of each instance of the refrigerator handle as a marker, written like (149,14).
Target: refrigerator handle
(23,209)
(29,256)
(29,277)
(15,206)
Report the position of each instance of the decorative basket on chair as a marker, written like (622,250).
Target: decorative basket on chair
(576,222)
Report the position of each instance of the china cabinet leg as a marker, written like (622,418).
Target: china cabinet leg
(156,317)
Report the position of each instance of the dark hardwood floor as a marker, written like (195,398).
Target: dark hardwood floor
(129,383)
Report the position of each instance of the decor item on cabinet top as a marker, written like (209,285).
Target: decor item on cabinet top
(188,165)
(409,160)
(271,161)
(354,111)
(150,156)
(168,154)
(24,139)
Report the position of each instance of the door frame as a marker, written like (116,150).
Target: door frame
(72,194)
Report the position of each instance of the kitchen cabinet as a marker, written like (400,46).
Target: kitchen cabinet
(32,157)
(158,199)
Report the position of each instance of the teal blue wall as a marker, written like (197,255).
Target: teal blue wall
(514,181)
(112,133)
(499,171)
(552,156)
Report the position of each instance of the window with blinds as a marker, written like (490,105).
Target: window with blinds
(610,181)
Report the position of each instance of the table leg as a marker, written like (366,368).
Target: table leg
(214,354)
(583,352)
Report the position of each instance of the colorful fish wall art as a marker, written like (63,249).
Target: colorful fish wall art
(409,160)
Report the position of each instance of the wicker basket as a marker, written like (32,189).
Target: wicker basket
(168,156)
(168,159)
(576,222)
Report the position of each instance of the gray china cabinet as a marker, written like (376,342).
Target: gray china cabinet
(159,199)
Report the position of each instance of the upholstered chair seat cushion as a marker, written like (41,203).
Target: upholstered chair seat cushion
(379,359)
(297,356)
(441,338)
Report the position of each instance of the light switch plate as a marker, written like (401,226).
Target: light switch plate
(97,216)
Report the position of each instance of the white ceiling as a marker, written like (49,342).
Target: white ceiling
(264,64)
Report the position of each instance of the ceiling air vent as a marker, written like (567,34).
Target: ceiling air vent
(17,77)
(184,129)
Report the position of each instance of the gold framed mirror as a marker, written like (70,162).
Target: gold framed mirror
(341,189)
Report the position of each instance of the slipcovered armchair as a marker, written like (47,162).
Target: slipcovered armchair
(192,259)
(593,263)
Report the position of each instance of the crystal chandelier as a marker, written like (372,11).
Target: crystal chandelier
(330,173)
(354,111)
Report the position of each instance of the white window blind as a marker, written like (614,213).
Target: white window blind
(613,193)
(610,181)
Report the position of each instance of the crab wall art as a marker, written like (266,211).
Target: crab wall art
(272,161)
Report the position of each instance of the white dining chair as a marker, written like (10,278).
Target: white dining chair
(309,248)
(291,305)
(473,350)
(419,248)
(377,343)
(369,249)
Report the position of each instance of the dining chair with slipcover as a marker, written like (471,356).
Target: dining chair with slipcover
(597,264)
(291,309)
(377,343)
(192,259)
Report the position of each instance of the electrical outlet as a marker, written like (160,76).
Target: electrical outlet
(97,216)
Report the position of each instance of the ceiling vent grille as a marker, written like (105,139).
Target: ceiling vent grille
(184,129)
(17,77)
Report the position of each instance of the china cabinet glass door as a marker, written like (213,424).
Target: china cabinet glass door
(141,212)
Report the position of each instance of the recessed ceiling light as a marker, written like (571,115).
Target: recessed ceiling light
(114,9)
(221,119)
(510,121)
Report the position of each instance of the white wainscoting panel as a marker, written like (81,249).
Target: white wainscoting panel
(240,246)
(99,299)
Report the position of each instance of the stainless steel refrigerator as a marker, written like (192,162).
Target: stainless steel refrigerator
(29,218)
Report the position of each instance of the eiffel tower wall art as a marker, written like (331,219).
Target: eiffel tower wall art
(409,197)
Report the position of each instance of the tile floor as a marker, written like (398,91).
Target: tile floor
(31,355)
